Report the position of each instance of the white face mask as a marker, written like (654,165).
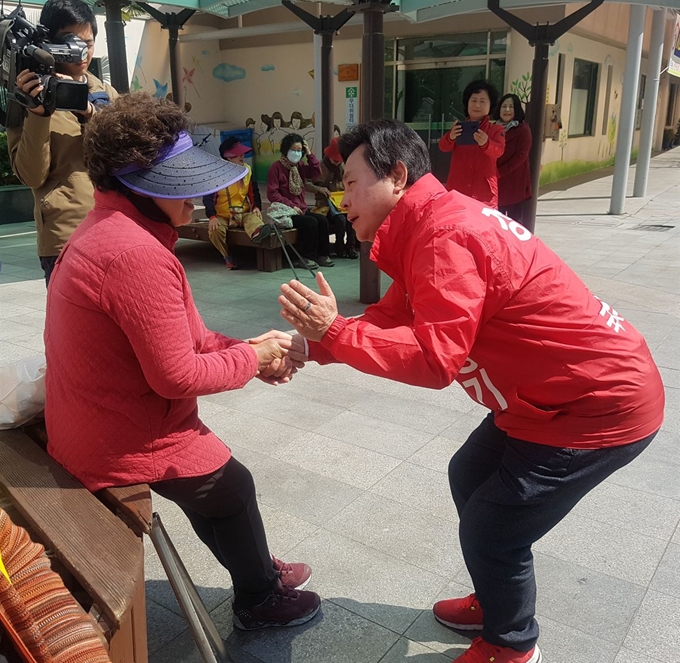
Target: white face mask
(294,155)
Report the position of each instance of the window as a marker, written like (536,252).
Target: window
(607,100)
(672,96)
(443,47)
(583,98)
(559,88)
(640,101)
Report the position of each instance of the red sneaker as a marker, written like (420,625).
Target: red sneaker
(295,575)
(463,614)
(482,651)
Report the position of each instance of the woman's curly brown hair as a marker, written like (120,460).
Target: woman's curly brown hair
(135,128)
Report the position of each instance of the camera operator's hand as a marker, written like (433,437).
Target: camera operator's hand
(29,83)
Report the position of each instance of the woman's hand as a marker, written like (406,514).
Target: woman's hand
(456,130)
(298,211)
(325,191)
(310,313)
(480,137)
(279,356)
(305,148)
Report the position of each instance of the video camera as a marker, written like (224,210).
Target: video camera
(25,46)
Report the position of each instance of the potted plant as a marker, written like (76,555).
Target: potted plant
(16,200)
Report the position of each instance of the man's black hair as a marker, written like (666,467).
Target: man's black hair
(227,144)
(480,86)
(387,142)
(516,102)
(288,141)
(59,14)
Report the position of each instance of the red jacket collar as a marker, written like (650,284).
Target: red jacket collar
(397,228)
(114,201)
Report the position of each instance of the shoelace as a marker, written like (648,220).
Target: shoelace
(481,650)
(471,603)
(285,594)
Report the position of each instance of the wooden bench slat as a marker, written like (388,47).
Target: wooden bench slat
(133,502)
(98,549)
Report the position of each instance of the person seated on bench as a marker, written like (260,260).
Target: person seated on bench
(128,353)
(237,206)
(286,184)
(323,188)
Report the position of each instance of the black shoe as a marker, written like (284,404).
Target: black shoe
(283,607)
(262,233)
(325,261)
(308,264)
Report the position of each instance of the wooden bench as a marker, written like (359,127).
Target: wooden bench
(99,556)
(268,252)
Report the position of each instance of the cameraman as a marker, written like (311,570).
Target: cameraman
(47,152)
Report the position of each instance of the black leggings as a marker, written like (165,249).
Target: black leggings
(222,509)
(313,234)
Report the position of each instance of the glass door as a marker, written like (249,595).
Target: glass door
(429,99)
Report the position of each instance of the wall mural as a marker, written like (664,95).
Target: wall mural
(522,87)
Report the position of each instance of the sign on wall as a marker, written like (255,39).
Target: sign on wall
(351,106)
(674,61)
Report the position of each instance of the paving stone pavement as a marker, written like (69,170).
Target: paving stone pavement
(351,470)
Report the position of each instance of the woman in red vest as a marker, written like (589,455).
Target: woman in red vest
(473,166)
(514,180)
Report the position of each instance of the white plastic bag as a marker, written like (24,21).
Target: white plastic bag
(22,391)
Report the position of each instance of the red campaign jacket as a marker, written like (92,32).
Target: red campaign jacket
(473,168)
(128,353)
(477,299)
(514,179)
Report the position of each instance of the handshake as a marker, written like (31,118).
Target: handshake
(279,354)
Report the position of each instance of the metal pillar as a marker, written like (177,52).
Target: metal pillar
(115,45)
(651,98)
(624,140)
(540,37)
(173,23)
(372,107)
(325,27)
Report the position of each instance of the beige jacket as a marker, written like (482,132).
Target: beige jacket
(47,156)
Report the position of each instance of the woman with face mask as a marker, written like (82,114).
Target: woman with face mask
(286,184)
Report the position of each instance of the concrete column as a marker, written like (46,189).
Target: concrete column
(624,141)
(651,98)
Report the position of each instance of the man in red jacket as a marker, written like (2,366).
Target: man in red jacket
(572,388)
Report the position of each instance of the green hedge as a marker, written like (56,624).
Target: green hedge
(560,170)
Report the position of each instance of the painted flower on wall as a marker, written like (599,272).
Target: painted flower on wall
(135,85)
(228,72)
(161,89)
(267,67)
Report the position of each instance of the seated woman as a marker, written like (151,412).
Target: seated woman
(473,168)
(128,352)
(286,184)
(514,178)
(329,182)
(236,206)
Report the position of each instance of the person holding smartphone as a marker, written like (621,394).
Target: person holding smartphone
(475,145)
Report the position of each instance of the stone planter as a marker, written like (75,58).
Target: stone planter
(16,204)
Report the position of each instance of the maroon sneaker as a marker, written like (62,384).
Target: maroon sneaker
(283,607)
(295,575)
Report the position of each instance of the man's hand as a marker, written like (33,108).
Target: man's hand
(257,212)
(325,191)
(310,313)
(456,130)
(213,224)
(29,83)
(481,138)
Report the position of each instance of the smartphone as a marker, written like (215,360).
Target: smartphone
(467,136)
